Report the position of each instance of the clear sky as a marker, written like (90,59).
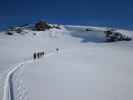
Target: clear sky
(118,13)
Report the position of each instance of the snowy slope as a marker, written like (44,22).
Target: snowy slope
(85,67)
(19,48)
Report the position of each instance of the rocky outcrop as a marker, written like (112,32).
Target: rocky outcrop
(112,36)
(88,29)
(42,26)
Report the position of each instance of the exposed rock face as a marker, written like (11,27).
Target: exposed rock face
(9,33)
(18,30)
(116,36)
(88,29)
(56,26)
(13,30)
(42,26)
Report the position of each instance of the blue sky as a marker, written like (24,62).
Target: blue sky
(115,13)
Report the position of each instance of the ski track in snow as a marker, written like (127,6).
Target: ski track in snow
(21,90)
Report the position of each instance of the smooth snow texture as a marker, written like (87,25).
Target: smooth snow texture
(84,68)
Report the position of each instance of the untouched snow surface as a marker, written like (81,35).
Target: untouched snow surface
(84,68)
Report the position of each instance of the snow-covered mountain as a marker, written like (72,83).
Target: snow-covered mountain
(85,67)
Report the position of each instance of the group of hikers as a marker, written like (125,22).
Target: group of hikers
(38,55)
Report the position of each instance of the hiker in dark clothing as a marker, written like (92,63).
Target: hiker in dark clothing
(57,49)
(43,53)
(38,55)
(34,56)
